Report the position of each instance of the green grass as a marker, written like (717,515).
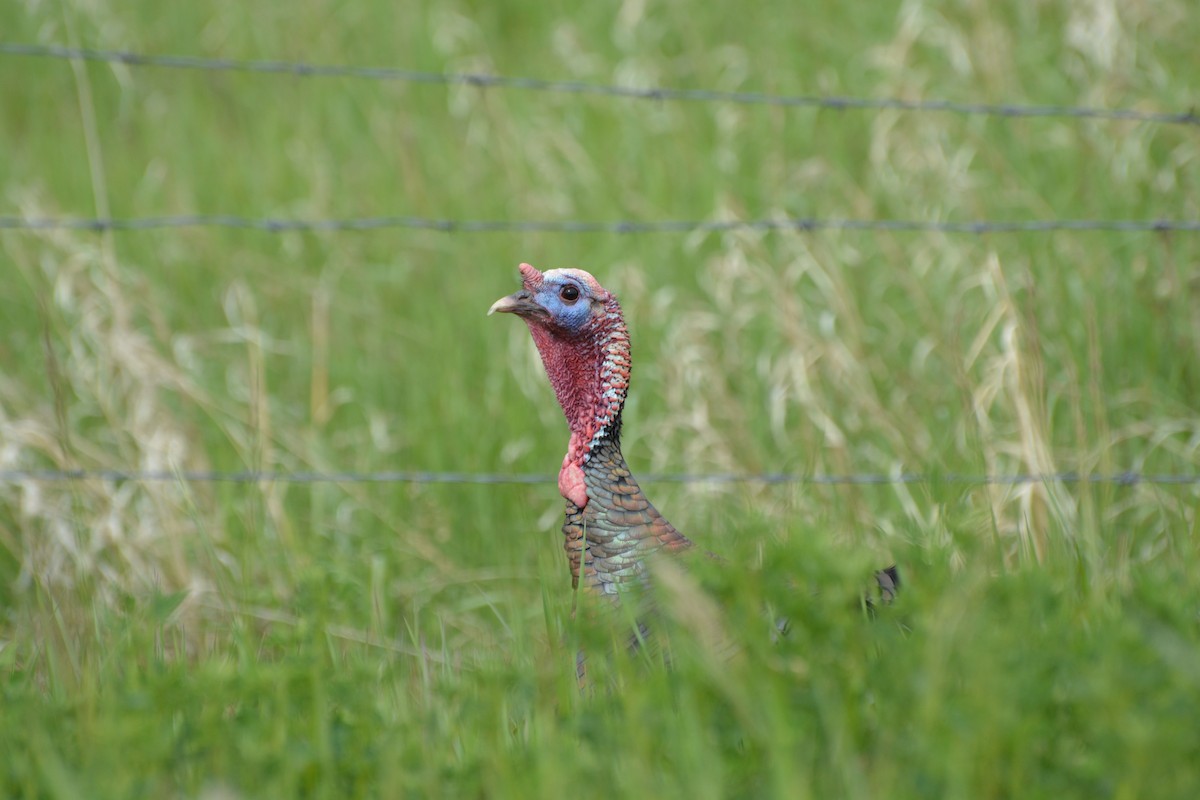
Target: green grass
(326,640)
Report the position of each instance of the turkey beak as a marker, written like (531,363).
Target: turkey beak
(520,303)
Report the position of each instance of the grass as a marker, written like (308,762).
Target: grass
(346,640)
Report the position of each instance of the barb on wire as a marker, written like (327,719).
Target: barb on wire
(302,69)
(623,227)
(1128,478)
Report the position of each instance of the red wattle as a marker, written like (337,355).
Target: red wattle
(571,484)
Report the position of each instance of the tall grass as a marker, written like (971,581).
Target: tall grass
(343,640)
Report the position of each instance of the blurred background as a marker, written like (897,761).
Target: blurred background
(347,636)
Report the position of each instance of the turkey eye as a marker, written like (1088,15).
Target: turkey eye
(569,293)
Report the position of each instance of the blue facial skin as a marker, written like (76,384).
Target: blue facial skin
(571,316)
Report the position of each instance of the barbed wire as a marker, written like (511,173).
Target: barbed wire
(1127,478)
(625,227)
(302,69)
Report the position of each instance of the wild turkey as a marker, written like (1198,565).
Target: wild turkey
(611,528)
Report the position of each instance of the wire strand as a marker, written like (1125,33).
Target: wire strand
(302,69)
(1127,478)
(621,227)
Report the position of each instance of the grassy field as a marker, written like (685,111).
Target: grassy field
(218,640)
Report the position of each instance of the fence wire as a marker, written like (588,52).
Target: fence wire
(302,69)
(1127,478)
(623,227)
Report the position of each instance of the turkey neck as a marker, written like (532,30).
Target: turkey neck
(589,371)
(610,526)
